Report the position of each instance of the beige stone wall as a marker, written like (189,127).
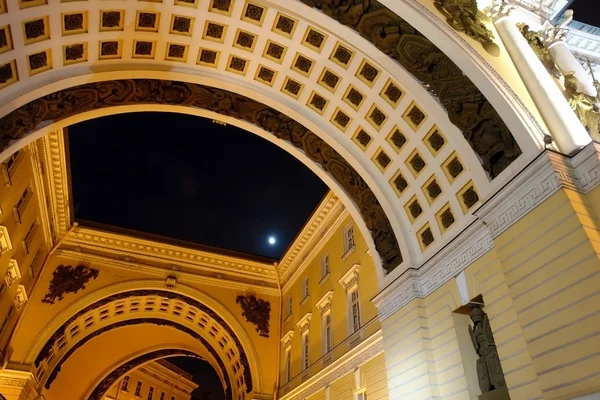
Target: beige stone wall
(540,288)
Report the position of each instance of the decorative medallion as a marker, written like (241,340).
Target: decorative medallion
(67,279)
(257,312)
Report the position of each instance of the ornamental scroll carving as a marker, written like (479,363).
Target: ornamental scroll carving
(467,107)
(68,279)
(257,312)
(462,15)
(92,96)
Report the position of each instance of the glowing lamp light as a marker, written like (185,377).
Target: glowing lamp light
(271,240)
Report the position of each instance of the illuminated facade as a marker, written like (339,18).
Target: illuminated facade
(463,177)
(157,380)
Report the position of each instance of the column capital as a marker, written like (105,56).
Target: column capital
(556,33)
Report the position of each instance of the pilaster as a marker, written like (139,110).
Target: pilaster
(18,385)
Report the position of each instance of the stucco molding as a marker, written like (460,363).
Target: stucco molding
(370,348)
(546,175)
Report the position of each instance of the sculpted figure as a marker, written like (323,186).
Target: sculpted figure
(462,16)
(539,48)
(586,107)
(489,370)
(348,12)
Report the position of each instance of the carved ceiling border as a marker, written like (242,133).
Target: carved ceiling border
(92,96)
(123,245)
(106,383)
(45,352)
(57,180)
(467,107)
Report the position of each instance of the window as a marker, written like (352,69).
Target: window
(348,238)
(162,396)
(21,204)
(288,365)
(324,265)
(289,306)
(138,388)
(9,166)
(327,333)
(7,319)
(125,384)
(355,310)
(305,289)
(150,393)
(29,238)
(305,355)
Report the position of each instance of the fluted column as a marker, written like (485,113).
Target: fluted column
(564,126)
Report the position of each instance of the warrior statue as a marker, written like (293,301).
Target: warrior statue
(489,370)
(586,107)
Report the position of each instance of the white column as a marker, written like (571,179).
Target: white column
(566,62)
(565,127)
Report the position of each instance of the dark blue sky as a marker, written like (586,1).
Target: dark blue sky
(190,179)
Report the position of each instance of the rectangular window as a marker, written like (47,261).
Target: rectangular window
(162,396)
(125,384)
(355,310)
(8,168)
(7,319)
(288,365)
(324,265)
(305,289)
(35,263)
(150,393)
(348,238)
(29,238)
(327,333)
(19,209)
(289,306)
(138,388)
(305,355)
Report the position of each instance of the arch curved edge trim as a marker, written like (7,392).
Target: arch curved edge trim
(78,99)
(155,321)
(106,383)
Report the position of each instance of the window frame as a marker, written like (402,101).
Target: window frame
(325,266)
(287,366)
(138,389)
(349,240)
(125,384)
(305,342)
(327,332)
(354,304)
(305,289)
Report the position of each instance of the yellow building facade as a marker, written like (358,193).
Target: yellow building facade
(155,380)
(455,257)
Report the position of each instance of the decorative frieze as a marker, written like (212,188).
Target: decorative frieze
(546,175)
(304,323)
(324,304)
(350,279)
(286,340)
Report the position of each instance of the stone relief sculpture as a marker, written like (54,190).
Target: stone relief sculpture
(586,107)
(68,279)
(489,369)
(257,312)
(462,16)
(467,107)
(539,48)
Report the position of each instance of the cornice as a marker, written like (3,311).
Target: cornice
(324,304)
(55,162)
(128,247)
(220,279)
(286,340)
(350,278)
(546,175)
(304,322)
(353,359)
(314,234)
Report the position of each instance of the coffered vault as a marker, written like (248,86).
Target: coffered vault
(422,171)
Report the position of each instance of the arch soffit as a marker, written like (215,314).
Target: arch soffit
(204,350)
(125,366)
(47,333)
(345,140)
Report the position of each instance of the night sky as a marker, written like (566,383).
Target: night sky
(187,178)
(586,11)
